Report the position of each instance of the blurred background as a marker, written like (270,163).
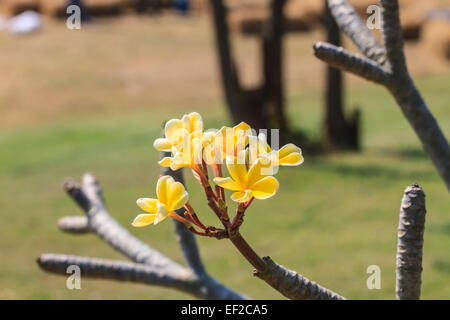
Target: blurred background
(94,99)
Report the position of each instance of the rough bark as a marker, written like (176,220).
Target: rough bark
(352,25)
(411,228)
(293,285)
(409,98)
(350,62)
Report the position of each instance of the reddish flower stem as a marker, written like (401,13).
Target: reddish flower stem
(231,228)
(194,221)
(175,216)
(194,231)
(194,216)
(238,218)
(249,202)
(220,214)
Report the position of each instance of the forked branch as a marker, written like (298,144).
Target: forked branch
(149,267)
(387,66)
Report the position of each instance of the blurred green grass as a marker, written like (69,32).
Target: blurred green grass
(332,218)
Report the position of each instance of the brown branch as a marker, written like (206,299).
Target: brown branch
(249,254)
(411,228)
(293,285)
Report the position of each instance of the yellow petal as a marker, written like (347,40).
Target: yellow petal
(263,146)
(162,188)
(196,121)
(162,213)
(255,173)
(147,204)
(176,166)
(293,159)
(177,196)
(208,136)
(143,220)
(227,183)
(288,149)
(173,128)
(181,201)
(162,144)
(237,171)
(240,143)
(242,126)
(265,188)
(180,160)
(211,157)
(242,196)
(165,162)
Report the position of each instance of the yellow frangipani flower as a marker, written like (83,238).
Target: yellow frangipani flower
(247,183)
(288,155)
(171,196)
(187,154)
(176,130)
(230,141)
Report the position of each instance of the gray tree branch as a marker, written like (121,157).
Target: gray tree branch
(185,238)
(393,36)
(105,227)
(293,285)
(74,224)
(151,266)
(352,25)
(117,270)
(411,228)
(340,58)
(395,76)
(409,98)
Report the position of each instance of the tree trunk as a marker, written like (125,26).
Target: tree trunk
(339,132)
(273,67)
(261,107)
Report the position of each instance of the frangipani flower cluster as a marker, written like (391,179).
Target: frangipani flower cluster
(249,160)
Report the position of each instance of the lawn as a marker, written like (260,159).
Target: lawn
(333,216)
